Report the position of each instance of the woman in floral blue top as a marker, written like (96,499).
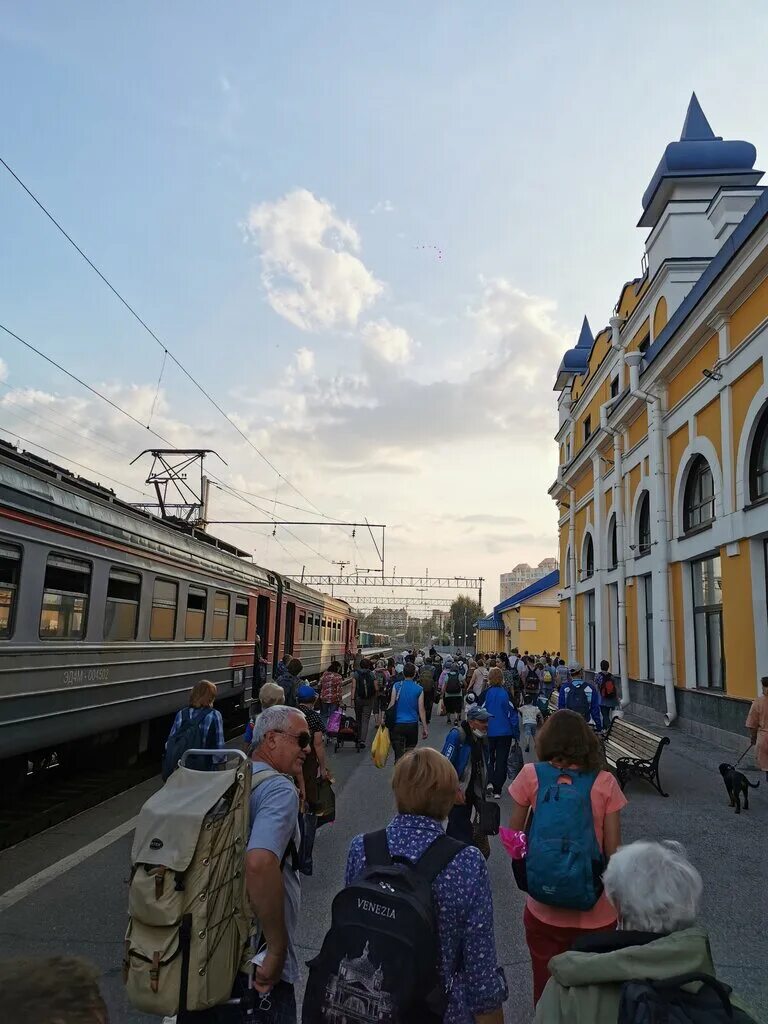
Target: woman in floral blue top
(426,787)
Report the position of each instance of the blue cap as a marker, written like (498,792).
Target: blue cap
(305,692)
(478,714)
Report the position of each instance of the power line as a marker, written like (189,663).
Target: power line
(151,333)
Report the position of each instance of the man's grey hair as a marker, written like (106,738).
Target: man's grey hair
(653,886)
(277,718)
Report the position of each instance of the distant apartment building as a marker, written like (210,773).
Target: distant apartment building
(511,583)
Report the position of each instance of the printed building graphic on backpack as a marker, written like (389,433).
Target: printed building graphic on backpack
(356,993)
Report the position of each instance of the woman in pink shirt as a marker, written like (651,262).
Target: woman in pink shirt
(566,741)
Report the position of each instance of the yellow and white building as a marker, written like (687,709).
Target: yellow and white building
(662,486)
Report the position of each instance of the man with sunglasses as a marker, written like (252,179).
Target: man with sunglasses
(281,742)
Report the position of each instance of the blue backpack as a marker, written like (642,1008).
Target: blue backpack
(564,863)
(191,735)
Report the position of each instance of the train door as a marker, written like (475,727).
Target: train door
(261,650)
(290,623)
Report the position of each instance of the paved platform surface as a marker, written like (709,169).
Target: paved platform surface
(82,910)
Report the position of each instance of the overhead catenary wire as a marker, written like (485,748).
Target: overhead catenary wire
(151,333)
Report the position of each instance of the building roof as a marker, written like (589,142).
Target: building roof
(576,359)
(552,579)
(699,154)
(490,622)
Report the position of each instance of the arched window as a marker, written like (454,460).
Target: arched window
(699,501)
(644,526)
(588,563)
(758,460)
(613,550)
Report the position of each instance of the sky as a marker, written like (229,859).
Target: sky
(369,231)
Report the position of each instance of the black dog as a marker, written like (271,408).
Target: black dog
(736,784)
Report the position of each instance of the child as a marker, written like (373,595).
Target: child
(609,696)
(531,717)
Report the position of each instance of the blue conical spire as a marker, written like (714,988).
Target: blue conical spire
(696,127)
(586,338)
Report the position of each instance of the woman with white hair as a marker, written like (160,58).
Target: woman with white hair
(656,891)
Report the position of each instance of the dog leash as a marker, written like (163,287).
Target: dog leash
(744,754)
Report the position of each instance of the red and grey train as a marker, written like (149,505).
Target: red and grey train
(109,615)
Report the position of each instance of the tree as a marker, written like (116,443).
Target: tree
(464,613)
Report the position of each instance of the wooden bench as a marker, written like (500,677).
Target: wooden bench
(632,751)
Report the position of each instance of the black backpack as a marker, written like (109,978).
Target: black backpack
(427,678)
(189,736)
(453,683)
(365,688)
(667,1002)
(607,687)
(576,700)
(383,937)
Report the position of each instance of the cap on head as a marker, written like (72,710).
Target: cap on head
(478,714)
(305,693)
(574,666)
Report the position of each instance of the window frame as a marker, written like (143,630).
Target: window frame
(649,652)
(219,617)
(241,599)
(13,589)
(86,610)
(127,572)
(644,513)
(708,611)
(614,393)
(587,428)
(758,469)
(175,585)
(198,590)
(588,568)
(695,503)
(613,543)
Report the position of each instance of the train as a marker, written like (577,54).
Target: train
(110,614)
(374,640)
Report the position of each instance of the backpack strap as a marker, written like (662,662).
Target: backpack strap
(437,857)
(377,849)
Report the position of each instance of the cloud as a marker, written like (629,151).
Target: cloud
(387,342)
(305,360)
(3,370)
(383,206)
(309,269)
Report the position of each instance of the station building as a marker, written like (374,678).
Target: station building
(531,617)
(489,635)
(662,485)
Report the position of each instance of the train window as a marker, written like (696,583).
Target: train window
(220,615)
(303,624)
(122,612)
(162,625)
(194,624)
(65,598)
(241,618)
(10,570)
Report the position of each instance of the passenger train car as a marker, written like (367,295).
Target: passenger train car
(109,615)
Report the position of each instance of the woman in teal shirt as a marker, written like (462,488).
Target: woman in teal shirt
(408,701)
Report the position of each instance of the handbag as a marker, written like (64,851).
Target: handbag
(515,761)
(380,746)
(489,817)
(325,808)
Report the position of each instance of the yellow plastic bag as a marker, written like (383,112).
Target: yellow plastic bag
(380,746)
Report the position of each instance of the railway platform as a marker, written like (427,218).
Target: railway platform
(65,890)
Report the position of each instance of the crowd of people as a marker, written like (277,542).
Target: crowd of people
(629,917)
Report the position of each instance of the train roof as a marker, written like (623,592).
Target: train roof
(42,481)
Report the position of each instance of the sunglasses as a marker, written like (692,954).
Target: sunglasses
(303,739)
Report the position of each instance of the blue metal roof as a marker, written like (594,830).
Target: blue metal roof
(490,622)
(552,579)
(576,360)
(699,153)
